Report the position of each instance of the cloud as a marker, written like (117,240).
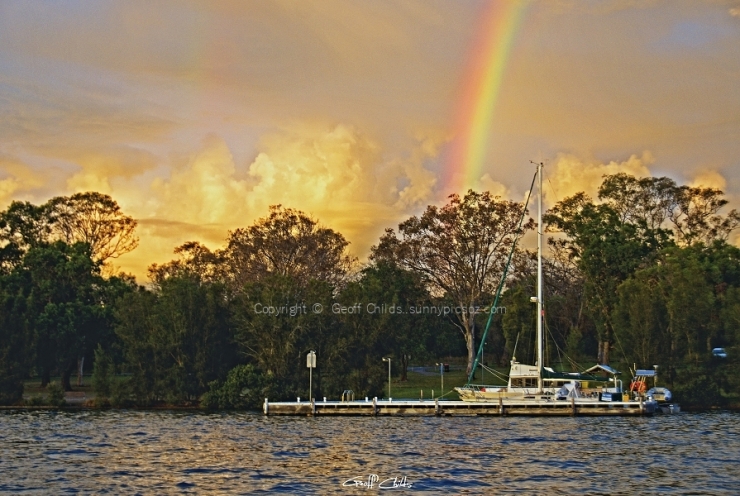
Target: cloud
(99,167)
(337,174)
(571,174)
(342,177)
(494,187)
(709,179)
(16,180)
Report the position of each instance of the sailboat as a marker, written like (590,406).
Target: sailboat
(597,390)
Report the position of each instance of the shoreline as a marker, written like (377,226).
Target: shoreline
(175,408)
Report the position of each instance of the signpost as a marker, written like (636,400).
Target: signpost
(311,364)
(389,376)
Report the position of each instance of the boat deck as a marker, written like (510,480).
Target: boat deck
(533,407)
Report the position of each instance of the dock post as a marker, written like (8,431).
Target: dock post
(375,406)
(501,406)
(642,407)
(313,407)
(573,405)
(265,407)
(437,411)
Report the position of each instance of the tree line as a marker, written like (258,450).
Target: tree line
(642,275)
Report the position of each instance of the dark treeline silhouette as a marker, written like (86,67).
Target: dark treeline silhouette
(643,275)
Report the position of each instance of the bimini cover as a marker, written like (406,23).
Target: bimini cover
(601,367)
(645,373)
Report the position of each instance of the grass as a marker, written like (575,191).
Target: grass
(32,387)
(428,383)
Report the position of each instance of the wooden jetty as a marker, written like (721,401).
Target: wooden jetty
(503,407)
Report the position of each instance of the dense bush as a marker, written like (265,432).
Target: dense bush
(244,389)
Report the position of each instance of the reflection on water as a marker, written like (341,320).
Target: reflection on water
(166,452)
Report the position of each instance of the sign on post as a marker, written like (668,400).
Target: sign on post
(311,364)
(311,360)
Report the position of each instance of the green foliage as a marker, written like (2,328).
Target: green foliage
(459,250)
(37,400)
(16,341)
(519,321)
(11,390)
(244,389)
(643,272)
(55,395)
(103,373)
(697,386)
(65,310)
(121,393)
(176,341)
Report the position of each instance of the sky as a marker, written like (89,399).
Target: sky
(197,116)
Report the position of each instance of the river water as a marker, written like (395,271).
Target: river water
(155,452)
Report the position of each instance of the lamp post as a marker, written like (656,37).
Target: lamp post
(442,377)
(389,375)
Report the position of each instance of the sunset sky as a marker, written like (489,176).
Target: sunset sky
(197,116)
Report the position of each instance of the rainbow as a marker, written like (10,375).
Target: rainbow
(482,84)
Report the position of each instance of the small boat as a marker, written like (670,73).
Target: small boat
(662,395)
(597,389)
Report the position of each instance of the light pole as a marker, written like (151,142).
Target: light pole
(442,377)
(389,375)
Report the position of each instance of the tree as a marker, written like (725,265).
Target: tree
(276,324)
(692,213)
(91,218)
(458,250)
(388,315)
(16,338)
(288,243)
(697,217)
(608,247)
(649,200)
(177,340)
(195,260)
(95,219)
(65,305)
(22,226)
(634,220)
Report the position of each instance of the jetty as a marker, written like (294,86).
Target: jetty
(447,408)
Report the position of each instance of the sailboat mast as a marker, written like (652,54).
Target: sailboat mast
(540,339)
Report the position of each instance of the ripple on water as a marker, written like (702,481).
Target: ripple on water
(164,452)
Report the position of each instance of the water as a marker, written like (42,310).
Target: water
(152,452)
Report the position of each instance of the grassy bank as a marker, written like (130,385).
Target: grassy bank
(427,383)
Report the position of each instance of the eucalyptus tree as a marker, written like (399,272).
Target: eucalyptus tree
(96,219)
(195,260)
(287,243)
(627,228)
(693,213)
(387,311)
(608,248)
(92,218)
(458,250)
(277,320)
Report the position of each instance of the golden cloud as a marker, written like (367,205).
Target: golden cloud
(571,174)
(338,175)
(709,179)
(16,178)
